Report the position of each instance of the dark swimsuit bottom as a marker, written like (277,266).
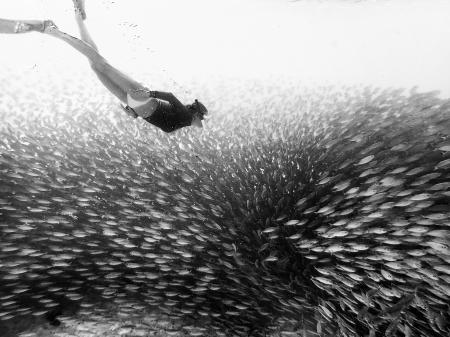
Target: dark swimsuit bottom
(168,118)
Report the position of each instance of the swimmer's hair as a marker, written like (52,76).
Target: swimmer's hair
(198,108)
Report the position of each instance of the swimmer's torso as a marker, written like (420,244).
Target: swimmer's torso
(165,115)
(168,118)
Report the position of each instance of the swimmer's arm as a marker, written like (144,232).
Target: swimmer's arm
(143,94)
(149,106)
(129,111)
(169,97)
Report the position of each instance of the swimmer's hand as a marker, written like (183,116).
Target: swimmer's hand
(129,111)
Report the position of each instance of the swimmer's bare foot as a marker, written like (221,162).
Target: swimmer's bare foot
(29,26)
(79,8)
(49,26)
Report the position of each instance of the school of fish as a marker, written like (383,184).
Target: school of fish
(322,212)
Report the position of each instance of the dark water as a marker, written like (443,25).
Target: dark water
(296,212)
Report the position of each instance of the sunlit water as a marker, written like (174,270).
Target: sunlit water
(395,43)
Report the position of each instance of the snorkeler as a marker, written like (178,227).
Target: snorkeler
(161,109)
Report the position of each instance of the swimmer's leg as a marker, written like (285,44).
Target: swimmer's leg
(138,96)
(79,8)
(113,79)
(80,16)
(20,26)
(85,49)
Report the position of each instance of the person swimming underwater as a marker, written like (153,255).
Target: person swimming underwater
(161,109)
